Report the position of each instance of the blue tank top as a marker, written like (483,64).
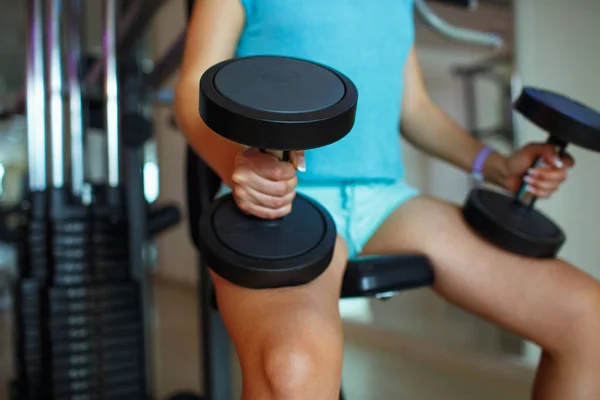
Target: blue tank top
(368,41)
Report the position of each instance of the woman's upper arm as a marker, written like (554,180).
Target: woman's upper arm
(212,35)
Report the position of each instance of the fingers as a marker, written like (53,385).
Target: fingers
(264,212)
(263,205)
(269,167)
(250,179)
(540,193)
(264,198)
(268,194)
(264,186)
(548,154)
(542,189)
(546,174)
(298,159)
(544,180)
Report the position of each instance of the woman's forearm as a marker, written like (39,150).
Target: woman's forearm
(218,152)
(430,129)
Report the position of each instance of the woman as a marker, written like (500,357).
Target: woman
(289,340)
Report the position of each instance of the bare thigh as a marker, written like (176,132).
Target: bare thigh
(288,337)
(534,298)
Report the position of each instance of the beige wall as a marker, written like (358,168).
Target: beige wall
(558,48)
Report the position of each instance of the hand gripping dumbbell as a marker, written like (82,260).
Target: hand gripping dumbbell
(512,223)
(275,104)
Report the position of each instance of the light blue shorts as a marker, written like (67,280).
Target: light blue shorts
(358,209)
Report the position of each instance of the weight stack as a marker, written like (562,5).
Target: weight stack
(95,315)
(30,307)
(30,339)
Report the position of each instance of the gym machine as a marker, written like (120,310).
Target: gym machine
(81,295)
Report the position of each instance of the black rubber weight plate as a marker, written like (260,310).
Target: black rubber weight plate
(260,254)
(564,118)
(511,226)
(277,103)
(279,85)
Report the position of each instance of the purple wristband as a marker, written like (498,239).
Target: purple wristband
(479,163)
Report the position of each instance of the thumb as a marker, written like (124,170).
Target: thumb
(298,159)
(547,153)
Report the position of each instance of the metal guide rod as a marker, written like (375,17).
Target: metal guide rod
(131,25)
(454,32)
(56,113)
(111,92)
(36,98)
(126,23)
(75,98)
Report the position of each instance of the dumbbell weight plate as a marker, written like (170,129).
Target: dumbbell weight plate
(263,254)
(277,103)
(564,118)
(511,226)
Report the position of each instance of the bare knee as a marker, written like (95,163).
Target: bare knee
(575,328)
(306,363)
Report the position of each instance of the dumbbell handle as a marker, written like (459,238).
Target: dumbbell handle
(281,155)
(525,198)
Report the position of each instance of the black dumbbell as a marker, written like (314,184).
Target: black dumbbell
(273,104)
(512,223)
